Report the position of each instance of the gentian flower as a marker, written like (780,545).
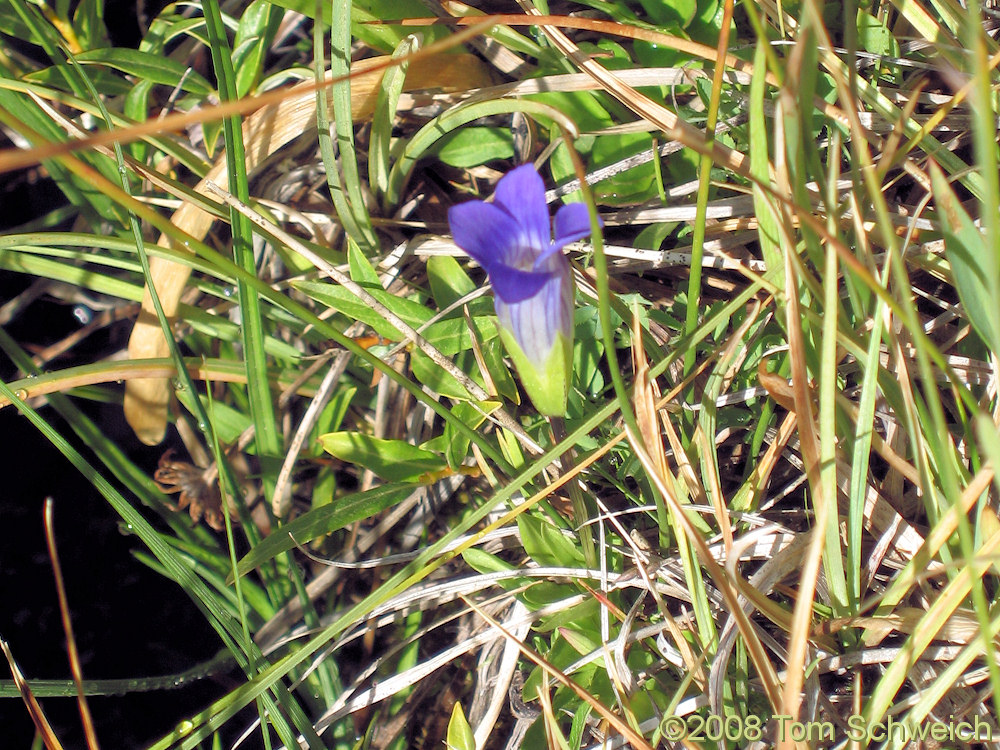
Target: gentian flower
(532,282)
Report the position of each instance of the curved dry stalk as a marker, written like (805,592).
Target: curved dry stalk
(59,381)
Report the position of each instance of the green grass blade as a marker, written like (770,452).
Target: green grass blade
(383,118)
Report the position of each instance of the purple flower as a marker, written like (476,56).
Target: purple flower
(531,278)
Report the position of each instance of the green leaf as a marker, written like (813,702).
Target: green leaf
(473,146)
(588,352)
(496,365)
(458,442)
(580,642)
(392,460)
(228,423)
(81,193)
(323,520)
(343,301)
(460,736)
(147,66)
(253,37)
(582,107)
(379,36)
(484,562)
(633,184)
(875,37)
(438,380)
(672,12)
(387,37)
(436,129)
(333,414)
(453,336)
(768,229)
(361,269)
(62,76)
(342,175)
(546,544)
(384,117)
(449,282)
(88,21)
(13,26)
(974,266)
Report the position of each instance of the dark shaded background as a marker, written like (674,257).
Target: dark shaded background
(128,620)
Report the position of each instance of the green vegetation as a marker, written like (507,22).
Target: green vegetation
(772,492)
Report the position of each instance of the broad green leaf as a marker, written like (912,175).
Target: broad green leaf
(588,353)
(671,12)
(580,720)
(506,35)
(654,55)
(975,267)
(88,21)
(875,37)
(13,26)
(228,423)
(582,107)
(343,301)
(361,268)
(547,545)
(388,37)
(253,36)
(453,336)
(136,107)
(323,520)
(150,67)
(448,281)
(165,28)
(391,460)
(444,383)
(579,641)
(425,138)
(632,185)
(379,36)
(60,77)
(438,380)
(473,146)
(325,488)
(707,22)
(499,370)
(613,55)
(460,736)
(458,442)
(484,562)
(333,414)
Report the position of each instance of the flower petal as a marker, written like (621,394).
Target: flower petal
(487,233)
(536,321)
(572,223)
(513,285)
(521,193)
